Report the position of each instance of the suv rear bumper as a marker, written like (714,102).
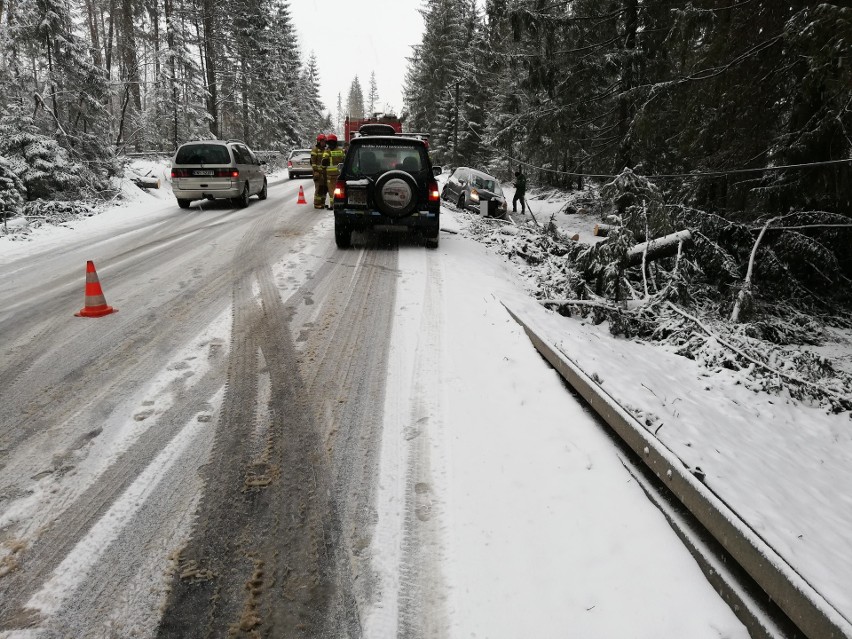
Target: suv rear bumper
(362,219)
(200,194)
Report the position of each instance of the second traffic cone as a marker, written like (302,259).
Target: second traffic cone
(301,199)
(96,305)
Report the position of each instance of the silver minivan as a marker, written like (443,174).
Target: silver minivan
(217,170)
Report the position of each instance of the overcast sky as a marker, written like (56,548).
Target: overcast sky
(357,37)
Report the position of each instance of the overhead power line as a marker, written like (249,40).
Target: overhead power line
(696,174)
(693,175)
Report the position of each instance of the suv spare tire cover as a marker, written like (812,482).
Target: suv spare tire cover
(396,193)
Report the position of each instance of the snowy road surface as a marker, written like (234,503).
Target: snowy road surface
(276,438)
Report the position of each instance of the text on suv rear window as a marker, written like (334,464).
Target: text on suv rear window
(369,159)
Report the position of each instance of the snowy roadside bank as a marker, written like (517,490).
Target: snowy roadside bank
(777,461)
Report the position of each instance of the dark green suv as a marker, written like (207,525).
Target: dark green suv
(386,181)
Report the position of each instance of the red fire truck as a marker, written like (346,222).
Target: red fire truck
(350,127)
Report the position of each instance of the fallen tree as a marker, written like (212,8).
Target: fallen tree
(666,246)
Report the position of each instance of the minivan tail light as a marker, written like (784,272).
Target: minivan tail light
(434,194)
(340,190)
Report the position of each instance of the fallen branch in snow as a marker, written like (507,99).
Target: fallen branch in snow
(593,303)
(145,182)
(665,246)
(844,399)
(602,230)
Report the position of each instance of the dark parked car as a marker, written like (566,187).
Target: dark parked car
(386,180)
(467,187)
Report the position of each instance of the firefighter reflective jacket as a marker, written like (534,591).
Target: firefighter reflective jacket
(331,158)
(316,162)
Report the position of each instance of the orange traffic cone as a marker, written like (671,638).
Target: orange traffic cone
(301,199)
(96,305)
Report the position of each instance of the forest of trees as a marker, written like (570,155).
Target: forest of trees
(82,82)
(664,87)
(727,122)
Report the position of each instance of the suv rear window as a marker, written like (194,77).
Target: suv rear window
(203,154)
(370,159)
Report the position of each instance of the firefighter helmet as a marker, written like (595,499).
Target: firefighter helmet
(331,137)
(321,137)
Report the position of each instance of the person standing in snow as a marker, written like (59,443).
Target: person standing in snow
(318,171)
(335,156)
(520,192)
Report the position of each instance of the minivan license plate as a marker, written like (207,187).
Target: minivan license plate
(358,197)
(203,172)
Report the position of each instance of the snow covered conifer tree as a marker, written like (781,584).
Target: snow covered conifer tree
(355,102)
(373,96)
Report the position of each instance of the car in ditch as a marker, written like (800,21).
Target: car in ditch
(386,181)
(299,163)
(217,170)
(467,188)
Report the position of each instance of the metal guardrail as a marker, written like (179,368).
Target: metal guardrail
(815,617)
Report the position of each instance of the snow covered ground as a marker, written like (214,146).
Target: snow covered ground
(777,462)
(540,530)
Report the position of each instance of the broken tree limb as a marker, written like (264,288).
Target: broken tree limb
(592,303)
(744,296)
(665,246)
(602,230)
(145,182)
(847,399)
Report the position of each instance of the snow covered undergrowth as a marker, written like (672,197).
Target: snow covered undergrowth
(775,450)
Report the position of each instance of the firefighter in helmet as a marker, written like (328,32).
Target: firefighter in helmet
(335,155)
(318,171)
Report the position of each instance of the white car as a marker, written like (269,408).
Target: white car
(217,170)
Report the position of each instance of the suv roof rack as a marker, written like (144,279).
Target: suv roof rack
(375,128)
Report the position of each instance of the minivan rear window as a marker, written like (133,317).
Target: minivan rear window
(203,154)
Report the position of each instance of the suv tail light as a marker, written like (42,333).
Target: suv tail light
(340,190)
(434,193)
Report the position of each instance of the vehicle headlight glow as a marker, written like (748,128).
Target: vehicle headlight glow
(474,195)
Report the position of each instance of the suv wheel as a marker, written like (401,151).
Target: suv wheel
(342,235)
(396,193)
(461,202)
(263,192)
(431,242)
(243,200)
(184,204)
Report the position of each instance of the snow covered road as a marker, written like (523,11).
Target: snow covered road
(274,437)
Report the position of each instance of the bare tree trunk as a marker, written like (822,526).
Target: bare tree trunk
(92,22)
(110,35)
(244,82)
(207,17)
(744,296)
(170,42)
(625,108)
